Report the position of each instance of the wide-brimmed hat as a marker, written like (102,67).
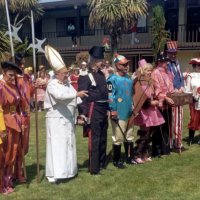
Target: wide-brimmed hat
(54,58)
(119,59)
(195,61)
(97,52)
(172,46)
(8,64)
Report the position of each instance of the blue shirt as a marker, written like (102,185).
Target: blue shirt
(120,89)
(174,68)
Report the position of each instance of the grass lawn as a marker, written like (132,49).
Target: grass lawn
(174,177)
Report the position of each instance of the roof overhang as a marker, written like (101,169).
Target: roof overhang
(52,4)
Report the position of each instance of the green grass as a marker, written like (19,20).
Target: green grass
(174,177)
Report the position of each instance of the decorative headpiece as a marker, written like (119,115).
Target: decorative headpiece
(172,46)
(54,58)
(120,59)
(194,61)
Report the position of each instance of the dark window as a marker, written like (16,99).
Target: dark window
(172,3)
(192,3)
(84,26)
(61,27)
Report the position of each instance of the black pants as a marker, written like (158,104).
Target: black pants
(98,138)
(160,138)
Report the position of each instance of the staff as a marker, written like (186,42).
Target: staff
(36,112)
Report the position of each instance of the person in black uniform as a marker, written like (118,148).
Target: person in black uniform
(93,109)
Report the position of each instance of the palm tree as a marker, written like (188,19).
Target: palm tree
(21,9)
(115,16)
(4,46)
(160,35)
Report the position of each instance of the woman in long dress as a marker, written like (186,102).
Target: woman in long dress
(193,85)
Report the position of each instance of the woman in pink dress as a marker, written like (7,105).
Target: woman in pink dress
(41,84)
(149,116)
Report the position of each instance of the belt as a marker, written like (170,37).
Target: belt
(102,101)
(10,109)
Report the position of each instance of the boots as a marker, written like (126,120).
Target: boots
(191,136)
(129,152)
(117,162)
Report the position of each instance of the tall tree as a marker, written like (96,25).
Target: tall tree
(4,46)
(115,16)
(20,10)
(160,35)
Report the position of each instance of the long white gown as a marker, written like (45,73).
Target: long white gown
(60,104)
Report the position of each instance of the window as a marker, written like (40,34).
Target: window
(84,26)
(193,3)
(142,24)
(172,4)
(60,27)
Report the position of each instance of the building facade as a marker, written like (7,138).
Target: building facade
(182,20)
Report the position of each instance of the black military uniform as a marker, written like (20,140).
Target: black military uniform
(98,95)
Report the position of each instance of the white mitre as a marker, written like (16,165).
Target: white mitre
(54,58)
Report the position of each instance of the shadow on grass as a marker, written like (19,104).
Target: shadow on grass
(32,173)
(85,164)
(196,139)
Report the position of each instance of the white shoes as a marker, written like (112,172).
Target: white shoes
(51,179)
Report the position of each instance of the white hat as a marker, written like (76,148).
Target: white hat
(83,63)
(54,58)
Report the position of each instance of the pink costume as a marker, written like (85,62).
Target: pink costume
(149,116)
(41,90)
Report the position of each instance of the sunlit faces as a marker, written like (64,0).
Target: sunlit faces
(162,64)
(9,75)
(172,55)
(123,67)
(62,75)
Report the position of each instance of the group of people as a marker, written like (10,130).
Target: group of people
(110,93)
(101,92)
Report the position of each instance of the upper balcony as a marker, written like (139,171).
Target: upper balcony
(188,37)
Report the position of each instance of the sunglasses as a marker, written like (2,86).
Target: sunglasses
(125,64)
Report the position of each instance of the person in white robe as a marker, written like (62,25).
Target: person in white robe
(60,104)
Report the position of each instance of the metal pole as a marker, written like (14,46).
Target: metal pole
(10,33)
(36,104)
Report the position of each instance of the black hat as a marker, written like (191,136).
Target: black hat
(19,57)
(97,52)
(8,64)
(162,58)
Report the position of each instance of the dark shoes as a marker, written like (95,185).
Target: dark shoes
(119,164)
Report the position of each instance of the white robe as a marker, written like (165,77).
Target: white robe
(60,104)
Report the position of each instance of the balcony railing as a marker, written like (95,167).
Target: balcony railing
(186,35)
